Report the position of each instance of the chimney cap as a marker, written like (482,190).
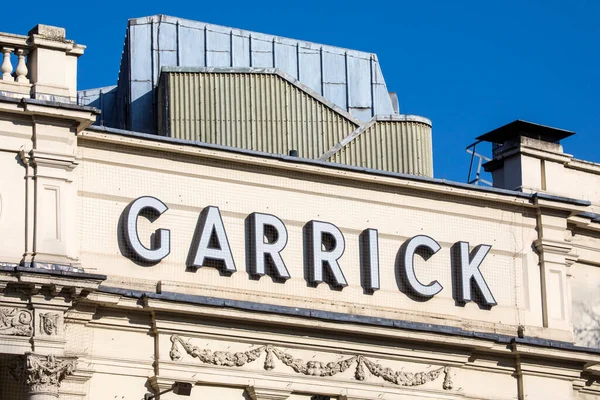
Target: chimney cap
(520,128)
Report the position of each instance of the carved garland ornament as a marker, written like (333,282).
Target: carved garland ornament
(15,322)
(313,368)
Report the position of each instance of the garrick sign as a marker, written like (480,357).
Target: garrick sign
(324,244)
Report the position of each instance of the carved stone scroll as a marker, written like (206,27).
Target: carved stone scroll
(15,322)
(312,368)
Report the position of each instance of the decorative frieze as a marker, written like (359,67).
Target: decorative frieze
(16,322)
(43,374)
(313,368)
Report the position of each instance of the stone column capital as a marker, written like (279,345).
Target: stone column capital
(43,374)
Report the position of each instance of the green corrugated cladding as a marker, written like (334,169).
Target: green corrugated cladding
(253,111)
(265,112)
(396,146)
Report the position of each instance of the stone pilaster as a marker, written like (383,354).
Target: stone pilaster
(556,256)
(43,374)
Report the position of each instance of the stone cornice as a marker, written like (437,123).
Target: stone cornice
(384,329)
(81,116)
(584,223)
(336,171)
(53,160)
(53,282)
(593,369)
(554,247)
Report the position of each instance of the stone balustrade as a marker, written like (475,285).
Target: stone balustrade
(40,65)
(14,80)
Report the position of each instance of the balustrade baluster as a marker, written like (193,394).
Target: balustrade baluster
(6,67)
(21,71)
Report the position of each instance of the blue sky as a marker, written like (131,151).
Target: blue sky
(469,66)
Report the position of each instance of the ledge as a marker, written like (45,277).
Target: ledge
(68,274)
(4,267)
(589,215)
(345,318)
(560,199)
(48,103)
(329,165)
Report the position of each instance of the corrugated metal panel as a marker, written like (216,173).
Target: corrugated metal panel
(397,146)
(256,111)
(350,79)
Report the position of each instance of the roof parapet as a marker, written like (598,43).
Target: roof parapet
(46,65)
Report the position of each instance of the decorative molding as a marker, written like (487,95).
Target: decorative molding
(553,246)
(16,322)
(311,368)
(259,393)
(49,323)
(43,374)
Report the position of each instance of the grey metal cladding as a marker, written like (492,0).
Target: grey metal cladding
(105,99)
(241,53)
(218,49)
(359,82)
(195,55)
(309,64)
(261,52)
(350,79)
(140,96)
(286,58)
(140,48)
(381,97)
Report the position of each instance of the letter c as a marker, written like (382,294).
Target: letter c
(409,268)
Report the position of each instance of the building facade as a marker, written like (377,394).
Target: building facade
(182,241)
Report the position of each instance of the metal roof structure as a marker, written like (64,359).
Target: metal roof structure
(201,82)
(350,79)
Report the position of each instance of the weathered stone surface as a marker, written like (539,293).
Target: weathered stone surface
(43,374)
(16,321)
(48,31)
